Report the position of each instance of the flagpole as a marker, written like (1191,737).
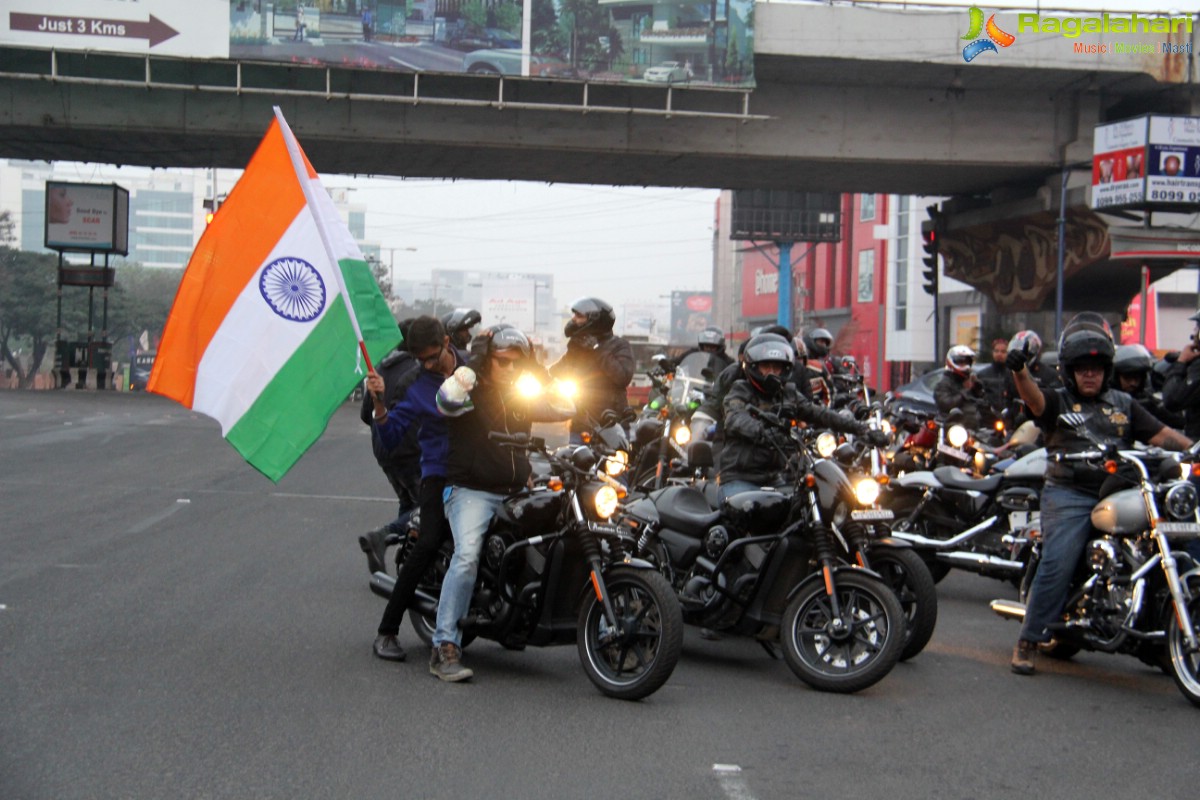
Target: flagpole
(293,148)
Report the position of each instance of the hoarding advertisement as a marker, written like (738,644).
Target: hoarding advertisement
(691,312)
(1173,160)
(1118,164)
(84,216)
(185,28)
(760,289)
(514,302)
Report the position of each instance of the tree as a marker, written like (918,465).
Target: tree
(28,292)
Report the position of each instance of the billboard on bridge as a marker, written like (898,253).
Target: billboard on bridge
(183,28)
(1147,162)
(648,42)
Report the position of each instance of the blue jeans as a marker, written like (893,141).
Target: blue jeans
(1066,527)
(469,512)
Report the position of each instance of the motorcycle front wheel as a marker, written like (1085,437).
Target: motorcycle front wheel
(632,659)
(1185,666)
(905,574)
(849,652)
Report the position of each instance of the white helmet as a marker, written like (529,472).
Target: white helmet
(960,359)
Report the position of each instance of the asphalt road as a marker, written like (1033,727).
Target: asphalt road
(172,624)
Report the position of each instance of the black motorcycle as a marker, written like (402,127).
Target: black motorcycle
(1136,590)
(767,564)
(554,570)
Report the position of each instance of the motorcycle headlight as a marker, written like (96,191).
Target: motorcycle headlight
(605,502)
(826,444)
(616,463)
(682,435)
(956,435)
(568,389)
(528,386)
(1181,501)
(866,491)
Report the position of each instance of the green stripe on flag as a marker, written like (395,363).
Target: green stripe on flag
(374,317)
(293,410)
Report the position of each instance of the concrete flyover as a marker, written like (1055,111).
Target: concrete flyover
(848,99)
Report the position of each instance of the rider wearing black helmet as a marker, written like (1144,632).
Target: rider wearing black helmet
(818,342)
(1181,390)
(711,341)
(458,324)
(1132,365)
(1086,352)
(600,363)
(745,463)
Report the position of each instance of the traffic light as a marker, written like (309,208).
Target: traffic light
(931,242)
(210,211)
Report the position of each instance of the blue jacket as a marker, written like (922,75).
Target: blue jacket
(419,407)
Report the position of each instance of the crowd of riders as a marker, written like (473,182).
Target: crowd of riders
(432,402)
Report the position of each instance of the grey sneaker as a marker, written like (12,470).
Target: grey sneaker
(388,648)
(445,663)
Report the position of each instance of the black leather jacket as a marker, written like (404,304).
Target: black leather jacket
(603,374)
(744,456)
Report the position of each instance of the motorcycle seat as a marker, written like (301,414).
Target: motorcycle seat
(683,508)
(957,479)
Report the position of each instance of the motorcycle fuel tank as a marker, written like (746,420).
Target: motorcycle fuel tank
(537,512)
(758,511)
(1121,513)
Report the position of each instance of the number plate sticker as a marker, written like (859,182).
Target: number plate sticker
(1179,528)
(872,514)
(953,452)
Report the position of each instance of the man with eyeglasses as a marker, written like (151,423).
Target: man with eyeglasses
(478,400)
(1086,353)
(431,349)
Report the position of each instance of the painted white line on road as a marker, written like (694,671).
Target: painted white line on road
(391,500)
(149,522)
(405,64)
(733,784)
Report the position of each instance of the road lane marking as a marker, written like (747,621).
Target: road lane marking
(406,65)
(159,517)
(733,784)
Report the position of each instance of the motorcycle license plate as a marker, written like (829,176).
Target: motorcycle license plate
(872,514)
(1190,529)
(953,452)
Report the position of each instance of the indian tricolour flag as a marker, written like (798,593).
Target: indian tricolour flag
(275,312)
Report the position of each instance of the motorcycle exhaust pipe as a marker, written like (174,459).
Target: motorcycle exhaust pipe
(1009,609)
(943,544)
(423,603)
(980,561)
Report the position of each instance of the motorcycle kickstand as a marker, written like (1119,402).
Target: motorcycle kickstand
(772,649)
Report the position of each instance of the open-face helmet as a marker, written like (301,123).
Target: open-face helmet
(1087,338)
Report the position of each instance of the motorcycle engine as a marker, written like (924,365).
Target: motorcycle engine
(715,541)
(1102,558)
(493,550)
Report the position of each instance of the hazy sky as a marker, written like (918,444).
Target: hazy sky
(624,244)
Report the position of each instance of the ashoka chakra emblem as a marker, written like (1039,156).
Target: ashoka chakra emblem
(293,289)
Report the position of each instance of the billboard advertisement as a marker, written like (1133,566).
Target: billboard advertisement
(511,301)
(87,216)
(760,287)
(667,44)
(1146,162)
(691,312)
(182,28)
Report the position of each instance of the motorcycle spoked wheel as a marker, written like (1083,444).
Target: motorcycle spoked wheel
(905,574)
(633,660)
(859,655)
(431,583)
(1185,666)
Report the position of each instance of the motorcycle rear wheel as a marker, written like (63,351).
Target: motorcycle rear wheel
(431,583)
(635,659)
(1185,666)
(851,660)
(906,574)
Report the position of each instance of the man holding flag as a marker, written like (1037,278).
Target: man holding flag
(276,313)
